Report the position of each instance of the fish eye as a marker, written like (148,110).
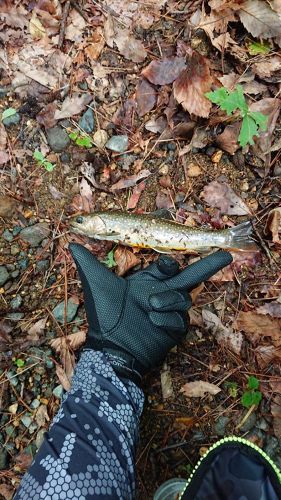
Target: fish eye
(79,219)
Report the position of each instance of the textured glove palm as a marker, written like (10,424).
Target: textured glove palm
(137,320)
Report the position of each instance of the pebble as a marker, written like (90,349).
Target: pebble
(35,234)
(87,121)
(16,230)
(4,275)
(11,120)
(34,404)
(71,311)
(26,421)
(272,445)
(15,316)
(193,170)
(4,91)
(15,249)
(277,170)
(23,263)
(220,425)
(11,377)
(58,139)
(13,408)
(100,138)
(118,143)
(164,169)
(10,430)
(7,235)
(3,459)
(262,424)
(42,265)
(15,273)
(16,302)
(65,157)
(249,424)
(7,206)
(58,391)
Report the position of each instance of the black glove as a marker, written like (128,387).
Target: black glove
(137,320)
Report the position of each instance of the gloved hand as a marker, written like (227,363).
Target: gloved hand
(137,320)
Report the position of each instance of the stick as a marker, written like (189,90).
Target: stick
(63,23)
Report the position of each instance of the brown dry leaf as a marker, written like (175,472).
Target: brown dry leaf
(164,71)
(145,97)
(36,28)
(72,341)
(268,66)
(199,389)
(195,317)
(87,195)
(23,461)
(192,84)
(46,117)
(5,329)
(164,199)
(7,491)
(135,196)
(75,26)
(259,19)
(273,225)
(3,137)
(271,108)
(156,124)
(4,157)
(271,308)
(63,378)
(140,13)
(228,140)
(276,414)
(221,195)
(36,330)
(7,206)
(226,336)
(242,262)
(266,354)
(130,181)
(121,36)
(257,326)
(73,106)
(166,383)
(96,44)
(41,416)
(125,260)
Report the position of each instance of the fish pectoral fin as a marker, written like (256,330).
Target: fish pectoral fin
(162,250)
(110,236)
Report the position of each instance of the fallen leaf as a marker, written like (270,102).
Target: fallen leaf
(72,341)
(135,196)
(271,308)
(36,330)
(259,19)
(3,137)
(87,195)
(129,46)
(228,140)
(145,97)
(221,195)
(265,354)
(156,124)
(7,206)
(4,157)
(56,194)
(5,329)
(192,84)
(23,461)
(242,262)
(226,336)
(257,326)
(276,414)
(199,389)
(41,416)
(164,71)
(73,106)
(125,260)
(7,491)
(164,199)
(273,225)
(124,116)
(36,28)
(63,378)
(271,108)
(166,383)
(130,181)
(96,44)
(267,66)
(46,117)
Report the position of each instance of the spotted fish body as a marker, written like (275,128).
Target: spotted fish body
(147,231)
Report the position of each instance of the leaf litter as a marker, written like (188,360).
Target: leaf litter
(144,69)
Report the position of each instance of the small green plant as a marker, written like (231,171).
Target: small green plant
(19,363)
(109,261)
(252,396)
(256,48)
(232,388)
(8,112)
(230,101)
(81,140)
(42,161)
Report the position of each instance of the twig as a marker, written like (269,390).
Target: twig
(245,418)
(63,23)
(79,10)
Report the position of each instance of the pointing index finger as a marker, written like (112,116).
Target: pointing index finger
(200,271)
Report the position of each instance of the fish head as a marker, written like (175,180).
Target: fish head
(90,224)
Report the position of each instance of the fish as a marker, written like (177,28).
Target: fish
(164,236)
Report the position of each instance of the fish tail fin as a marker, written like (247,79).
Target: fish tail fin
(241,237)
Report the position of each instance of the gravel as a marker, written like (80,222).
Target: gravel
(118,143)
(71,311)
(87,121)
(11,120)
(58,139)
(35,234)
(4,275)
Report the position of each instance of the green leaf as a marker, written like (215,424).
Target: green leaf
(250,398)
(229,101)
(8,112)
(232,388)
(84,141)
(256,48)
(109,261)
(37,155)
(19,363)
(217,96)
(248,130)
(260,119)
(48,165)
(253,382)
(73,136)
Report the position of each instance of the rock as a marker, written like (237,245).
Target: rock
(10,430)
(58,139)
(118,143)
(7,235)
(65,157)
(16,302)
(249,424)
(15,274)
(271,445)
(100,137)
(262,424)
(4,91)
(11,120)
(16,230)
(13,408)
(58,391)
(3,459)
(35,404)
(42,265)
(35,234)
(15,316)
(7,207)
(72,307)
(277,170)
(26,421)
(4,275)
(220,425)
(15,249)
(193,170)
(23,263)
(87,121)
